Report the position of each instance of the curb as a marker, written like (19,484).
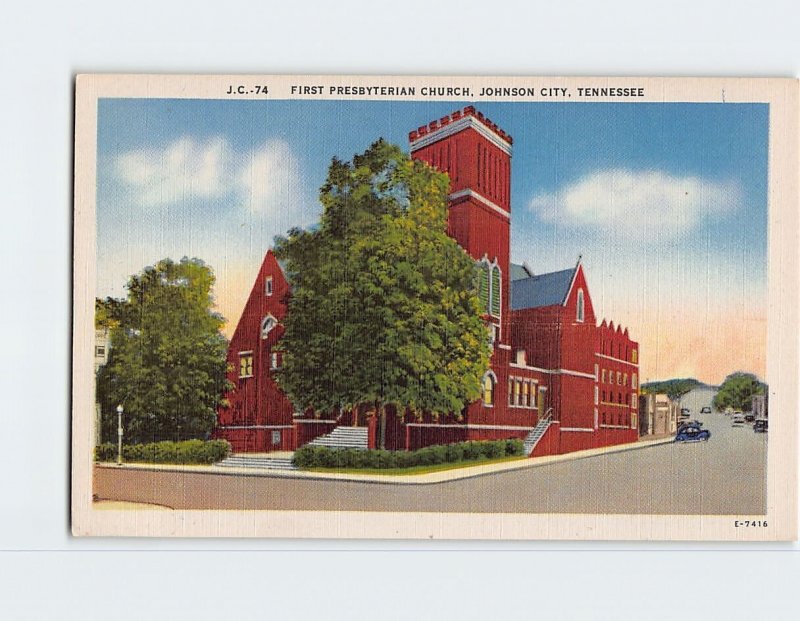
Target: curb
(432,478)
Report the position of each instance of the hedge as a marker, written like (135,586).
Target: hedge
(323,457)
(185,452)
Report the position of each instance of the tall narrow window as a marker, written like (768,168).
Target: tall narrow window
(496,291)
(633,381)
(579,312)
(484,286)
(635,356)
(268,285)
(488,389)
(526,394)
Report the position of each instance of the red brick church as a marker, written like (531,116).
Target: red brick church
(556,379)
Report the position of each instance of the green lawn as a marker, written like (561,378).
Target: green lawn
(418,469)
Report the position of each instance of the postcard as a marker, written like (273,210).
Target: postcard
(435,307)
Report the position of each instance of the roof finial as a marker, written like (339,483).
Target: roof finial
(580,256)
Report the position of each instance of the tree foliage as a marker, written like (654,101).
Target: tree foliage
(673,388)
(167,360)
(383,307)
(737,392)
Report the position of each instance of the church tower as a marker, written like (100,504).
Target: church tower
(476,154)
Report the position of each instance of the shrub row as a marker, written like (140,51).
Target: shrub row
(323,457)
(185,452)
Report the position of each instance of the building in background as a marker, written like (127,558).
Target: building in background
(658,415)
(760,406)
(102,343)
(556,379)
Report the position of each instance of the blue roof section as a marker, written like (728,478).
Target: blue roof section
(541,290)
(519,271)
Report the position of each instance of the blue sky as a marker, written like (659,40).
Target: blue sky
(667,203)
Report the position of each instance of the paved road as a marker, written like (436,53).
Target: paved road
(725,476)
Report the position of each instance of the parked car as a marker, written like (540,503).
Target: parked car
(692,433)
(749,417)
(705,410)
(760,426)
(738,420)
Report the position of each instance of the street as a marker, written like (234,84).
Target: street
(725,476)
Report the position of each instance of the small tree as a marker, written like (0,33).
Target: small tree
(383,308)
(167,361)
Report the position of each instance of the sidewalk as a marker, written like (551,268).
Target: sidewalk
(411,479)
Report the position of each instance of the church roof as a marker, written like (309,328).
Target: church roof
(519,271)
(541,290)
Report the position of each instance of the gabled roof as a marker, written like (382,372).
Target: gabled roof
(542,289)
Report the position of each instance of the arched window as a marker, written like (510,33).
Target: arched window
(579,312)
(489,382)
(267,324)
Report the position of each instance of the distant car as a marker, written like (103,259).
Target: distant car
(705,410)
(760,426)
(738,420)
(749,417)
(692,433)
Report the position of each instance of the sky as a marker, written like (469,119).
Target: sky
(665,202)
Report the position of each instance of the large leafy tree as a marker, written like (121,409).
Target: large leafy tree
(167,360)
(384,309)
(737,392)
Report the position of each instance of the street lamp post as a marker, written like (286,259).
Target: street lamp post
(119,434)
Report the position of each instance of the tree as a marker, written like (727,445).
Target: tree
(167,360)
(737,392)
(673,388)
(384,309)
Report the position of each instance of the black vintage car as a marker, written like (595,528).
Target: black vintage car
(760,426)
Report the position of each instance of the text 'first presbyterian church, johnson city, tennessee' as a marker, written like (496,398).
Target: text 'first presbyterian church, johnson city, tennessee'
(557,379)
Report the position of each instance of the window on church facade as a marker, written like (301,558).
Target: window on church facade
(489,285)
(579,311)
(268,285)
(267,324)
(495,309)
(245,364)
(483,286)
(488,389)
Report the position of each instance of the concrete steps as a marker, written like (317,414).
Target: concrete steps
(241,460)
(343,437)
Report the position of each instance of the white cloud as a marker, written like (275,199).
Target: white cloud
(182,170)
(270,177)
(265,180)
(629,200)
